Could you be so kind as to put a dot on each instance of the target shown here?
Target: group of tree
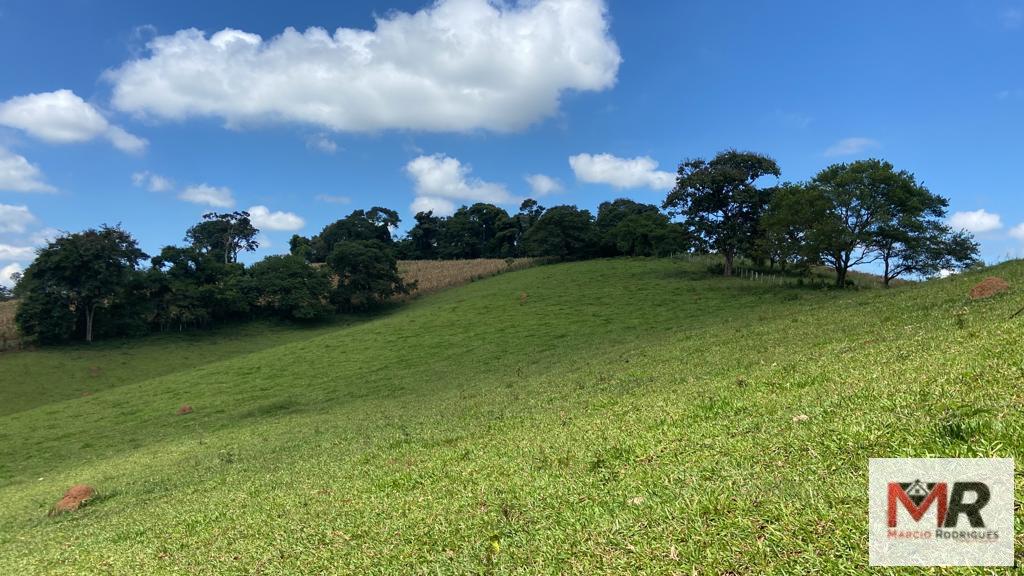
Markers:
(622, 228)
(94, 283)
(848, 215)
(97, 283)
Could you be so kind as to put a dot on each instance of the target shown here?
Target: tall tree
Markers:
(224, 235)
(72, 278)
(720, 200)
(425, 236)
(564, 232)
(367, 274)
(375, 224)
(289, 288)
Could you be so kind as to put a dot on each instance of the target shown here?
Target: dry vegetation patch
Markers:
(9, 337)
(433, 275)
(989, 287)
(73, 499)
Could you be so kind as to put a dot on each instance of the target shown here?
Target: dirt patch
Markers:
(185, 409)
(73, 499)
(989, 287)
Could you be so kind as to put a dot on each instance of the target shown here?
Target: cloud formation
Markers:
(321, 143)
(543, 185)
(152, 182)
(218, 197)
(18, 175)
(61, 117)
(976, 222)
(264, 219)
(439, 180)
(852, 146)
(458, 65)
(15, 219)
(639, 172)
(1018, 231)
(332, 199)
(7, 271)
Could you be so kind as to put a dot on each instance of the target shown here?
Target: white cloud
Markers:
(18, 175)
(62, 117)
(1018, 231)
(441, 179)
(15, 219)
(7, 271)
(638, 172)
(330, 199)
(439, 206)
(218, 197)
(264, 219)
(44, 236)
(543, 185)
(976, 222)
(321, 143)
(458, 65)
(851, 146)
(152, 182)
(16, 253)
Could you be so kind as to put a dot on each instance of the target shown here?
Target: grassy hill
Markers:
(595, 417)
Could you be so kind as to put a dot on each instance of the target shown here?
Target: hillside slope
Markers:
(625, 415)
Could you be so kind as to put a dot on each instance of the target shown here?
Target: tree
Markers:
(633, 229)
(478, 231)
(425, 236)
(289, 288)
(367, 274)
(6, 294)
(374, 224)
(224, 235)
(791, 212)
(192, 288)
(300, 246)
(924, 249)
(720, 200)
(74, 276)
(564, 232)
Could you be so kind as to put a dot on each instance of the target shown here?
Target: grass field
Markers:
(595, 417)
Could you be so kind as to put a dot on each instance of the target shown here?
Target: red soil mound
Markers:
(73, 499)
(185, 409)
(989, 287)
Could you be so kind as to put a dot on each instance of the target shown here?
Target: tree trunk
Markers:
(727, 271)
(840, 277)
(90, 313)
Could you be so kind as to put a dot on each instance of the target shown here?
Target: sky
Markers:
(149, 114)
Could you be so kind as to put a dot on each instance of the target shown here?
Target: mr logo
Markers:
(917, 497)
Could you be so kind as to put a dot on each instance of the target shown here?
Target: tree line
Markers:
(96, 283)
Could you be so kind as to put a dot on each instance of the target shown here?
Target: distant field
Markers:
(433, 275)
(600, 417)
(9, 337)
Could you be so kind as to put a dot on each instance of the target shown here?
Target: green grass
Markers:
(629, 416)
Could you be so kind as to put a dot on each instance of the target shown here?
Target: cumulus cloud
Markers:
(543, 185)
(321, 143)
(851, 146)
(152, 182)
(264, 219)
(18, 175)
(62, 117)
(638, 172)
(218, 197)
(15, 219)
(16, 253)
(331, 199)
(455, 66)
(7, 271)
(1018, 231)
(440, 179)
(976, 222)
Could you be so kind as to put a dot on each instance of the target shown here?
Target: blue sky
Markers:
(116, 113)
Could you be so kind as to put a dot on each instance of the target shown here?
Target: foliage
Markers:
(563, 232)
(288, 287)
(374, 224)
(72, 278)
(367, 272)
(721, 202)
(193, 288)
(224, 235)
